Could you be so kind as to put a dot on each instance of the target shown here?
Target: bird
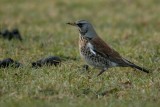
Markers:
(51, 60)
(96, 52)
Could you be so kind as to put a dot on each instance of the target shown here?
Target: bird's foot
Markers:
(102, 71)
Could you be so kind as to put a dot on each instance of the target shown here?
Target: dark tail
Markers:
(140, 68)
(137, 67)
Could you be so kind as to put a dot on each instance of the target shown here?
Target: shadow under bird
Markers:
(98, 53)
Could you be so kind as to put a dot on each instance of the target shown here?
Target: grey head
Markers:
(85, 28)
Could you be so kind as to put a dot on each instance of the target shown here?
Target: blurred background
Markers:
(133, 23)
(132, 27)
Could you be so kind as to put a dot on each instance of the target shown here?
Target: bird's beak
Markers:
(72, 23)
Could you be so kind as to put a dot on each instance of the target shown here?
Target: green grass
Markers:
(130, 27)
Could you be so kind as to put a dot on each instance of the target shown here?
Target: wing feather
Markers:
(106, 51)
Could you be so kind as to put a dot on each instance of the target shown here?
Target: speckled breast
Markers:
(95, 60)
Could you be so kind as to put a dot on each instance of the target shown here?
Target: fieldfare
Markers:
(98, 53)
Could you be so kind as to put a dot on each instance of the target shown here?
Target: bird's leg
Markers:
(103, 70)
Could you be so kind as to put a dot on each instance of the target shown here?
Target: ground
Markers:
(130, 26)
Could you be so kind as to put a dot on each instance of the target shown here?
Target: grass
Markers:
(130, 27)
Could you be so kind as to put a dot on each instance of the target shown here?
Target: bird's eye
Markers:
(79, 24)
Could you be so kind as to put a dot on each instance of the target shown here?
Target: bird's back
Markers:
(93, 57)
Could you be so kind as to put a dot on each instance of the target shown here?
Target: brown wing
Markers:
(104, 49)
